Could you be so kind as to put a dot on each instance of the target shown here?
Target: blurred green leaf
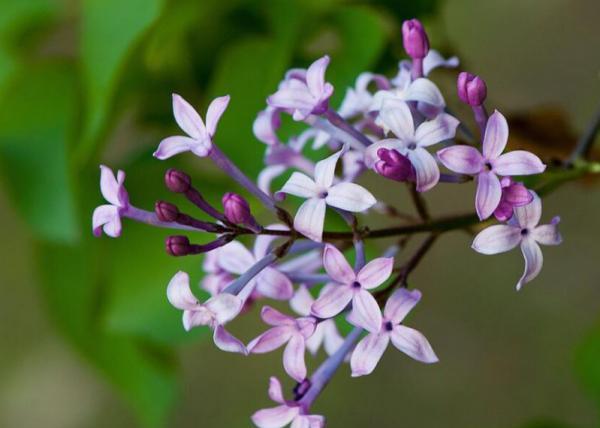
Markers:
(37, 117)
(587, 363)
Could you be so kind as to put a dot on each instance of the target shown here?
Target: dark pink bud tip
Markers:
(414, 37)
(471, 89)
(178, 246)
(177, 181)
(166, 211)
(393, 165)
(236, 209)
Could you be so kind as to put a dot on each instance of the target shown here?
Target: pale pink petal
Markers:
(188, 118)
(350, 197)
(396, 116)
(496, 136)
(273, 284)
(336, 265)
(315, 76)
(109, 186)
(106, 217)
(376, 272)
(228, 343)
(371, 156)
(425, 91)
(528, 216)
(275, 390)
(489, 193)
(462, 159)
(267, 175)
(426, 168)
(366, 312)
(271, 340)
(172, 146)
(293, 358)
(518, 162)
(308, 421)
(533, 261)
(413, 344)
(179, 293)
(300, 185)
(332, 302)
(310, 218)
(292, 98)
(442, 128)
(497, 239)
(325, 170)
(214, 113)
(313, 343)
(434, 60)
(302, 301)
(224, 306)
(235, 258)
(275, 318)
(276, 417)
(332, 338)
(367, 353)
(400, 304)
(547, 234)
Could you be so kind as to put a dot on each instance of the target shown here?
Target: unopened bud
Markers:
(177, 181)
(414, 37)
(166, 211)
(393, 165)
(471, 89)
(236, 209)
(178, 245)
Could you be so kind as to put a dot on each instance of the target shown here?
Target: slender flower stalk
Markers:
(237, 286)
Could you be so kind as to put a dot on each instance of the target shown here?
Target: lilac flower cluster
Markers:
(383, 126)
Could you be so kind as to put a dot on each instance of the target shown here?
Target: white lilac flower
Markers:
(107, 217)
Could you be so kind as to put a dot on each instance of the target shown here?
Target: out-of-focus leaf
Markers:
(37, 116)
(110, 29)
(544, 424)
(587, 363)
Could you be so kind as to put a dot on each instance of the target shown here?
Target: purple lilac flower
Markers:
(358, 99)
(293, 331)
(370, 349)
(396, 117)
(472, 89)
(321, 192)
(304, 97)
(199, 136)
(432, 61)
(414, 38)
(513, 195)
(424, 92)
(237, 211)
(521, 230)
(487, 165)
(353, 288)
(216, 279)
(394, 165)
(285, 413)
(108, 217)
(326, 332)
(266, 124)
(215, 312)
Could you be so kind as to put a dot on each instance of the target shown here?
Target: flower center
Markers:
(488, 166)
(388, 326)
(356, 284)
(524, 232)
(412, 146)
(323, 194)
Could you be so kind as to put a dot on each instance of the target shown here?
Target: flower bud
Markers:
(166, 211)
(177, 181)
(178, 245)
(414, 37)
(236, 209)
(393, 165)
(471, 89)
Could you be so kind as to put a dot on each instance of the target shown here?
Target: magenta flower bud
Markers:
(236, 209)
(393, 165)
(178, 245)
(471, 89)
(414, 37)
(166, 211)
(177, 181)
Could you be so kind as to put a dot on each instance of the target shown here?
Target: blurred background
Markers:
(87, 336)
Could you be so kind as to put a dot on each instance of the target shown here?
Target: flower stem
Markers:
(150, 218)
(339, 122)
(584, 146)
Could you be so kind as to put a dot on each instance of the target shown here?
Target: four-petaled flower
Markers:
(285, 413)
(490, 163)
(215, 312)
(199, 136)
(353, 287)
(321, 192)
(304, 93)
(293, 331)
(370, 349)
(522, 229)
(108, 217)
(396, 116)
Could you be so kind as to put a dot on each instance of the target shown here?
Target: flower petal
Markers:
(228, 343)
(276, 417)
(528, 216)
(267, 175)
(225, 307)
(315, 76)
(275, 318)
(426, 168)
(310, 218)
(179, 293)
(442, 128)
(517, 194)
(366, 312)
(497, 239)
(367, 354)
(300, 185)
(371, 156)
(376, 272)
(489, 193)
(188, 118)
(332, 302)
(270, 340)
(302, 301)
(293, 358)
(106, 217)
(275, 390)
(273, 284)
(292, 98)
(109, 186)
(308, 421)
(172, 146)
(496, 136)
(434, 60)
(518, 162)
(325, 170)
(462, 159)
(413, 344)
(336, 265)
(400, 304)
(533, 261)
(425, 91)
(396, 116)
(350, 197)
(547, 234)
(332, 338)
(235, 258)
(214, 113)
